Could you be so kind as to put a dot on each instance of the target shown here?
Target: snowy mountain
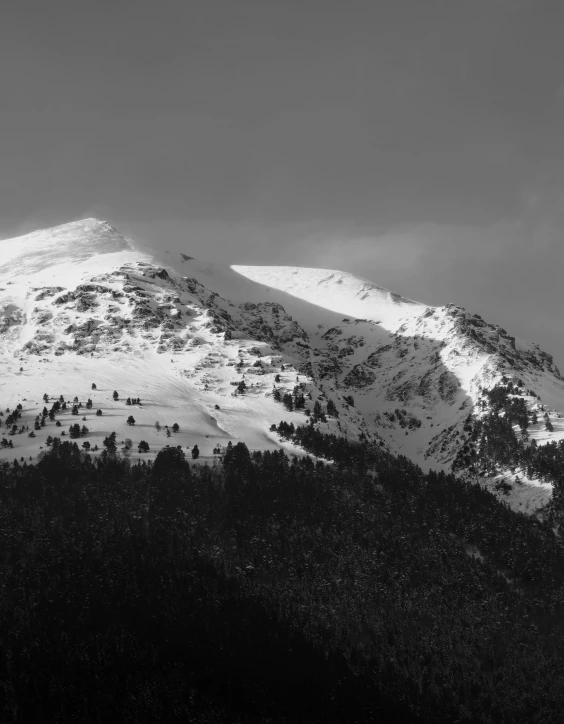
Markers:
(80, 304)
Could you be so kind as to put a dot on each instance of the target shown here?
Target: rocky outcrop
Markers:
(359, 377)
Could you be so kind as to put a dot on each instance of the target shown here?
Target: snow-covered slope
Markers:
(81, 304)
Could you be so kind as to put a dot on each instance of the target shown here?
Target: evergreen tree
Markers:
(195, 452)
(175, 427)
(99, 413)
(110, 442)
(332, 409)
(115, 395)
(143, 446)
(131, 420)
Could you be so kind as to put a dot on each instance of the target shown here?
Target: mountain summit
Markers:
(224, 352)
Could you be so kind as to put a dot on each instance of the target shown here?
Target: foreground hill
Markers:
(80, 304)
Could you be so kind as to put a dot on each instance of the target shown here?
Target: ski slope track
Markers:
(82, 304)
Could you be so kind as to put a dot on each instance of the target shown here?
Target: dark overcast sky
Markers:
(418, 143)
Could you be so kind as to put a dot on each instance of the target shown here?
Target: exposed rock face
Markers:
(359, 377)
(447, 386)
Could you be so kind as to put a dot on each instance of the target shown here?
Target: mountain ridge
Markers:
(82, 302)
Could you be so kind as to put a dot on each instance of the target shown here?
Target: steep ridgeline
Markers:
(81, 304)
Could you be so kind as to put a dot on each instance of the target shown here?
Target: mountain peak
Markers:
(73, 242)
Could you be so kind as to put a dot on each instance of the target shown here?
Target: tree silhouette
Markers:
(110, 442)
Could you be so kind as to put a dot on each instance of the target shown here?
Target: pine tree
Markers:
(115, 395)
(131, 420)
(99, 413)
(110, 442)
(288, 402)
(175, 427)
(331, 409)
(195, 452)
